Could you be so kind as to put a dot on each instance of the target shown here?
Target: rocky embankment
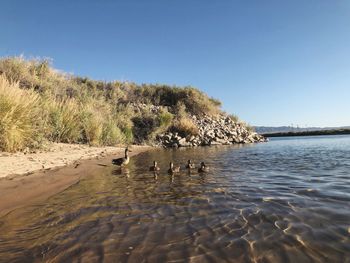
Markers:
(219, 130)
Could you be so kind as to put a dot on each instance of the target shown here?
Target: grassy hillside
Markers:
(40, 104)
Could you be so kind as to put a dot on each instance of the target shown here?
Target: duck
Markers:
(124, 160)
(203, 168)
(154, 167)
(190, 165)
(173, 169)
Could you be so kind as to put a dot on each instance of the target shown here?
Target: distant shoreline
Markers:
(308, 133)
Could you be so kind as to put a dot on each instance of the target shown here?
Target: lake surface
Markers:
(287, 200)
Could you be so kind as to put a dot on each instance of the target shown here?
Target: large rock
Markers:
(183, 143)
(212, 143)
(210, 134)
(219, 134)
(222, 141)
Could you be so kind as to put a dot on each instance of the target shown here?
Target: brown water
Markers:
(283, 201)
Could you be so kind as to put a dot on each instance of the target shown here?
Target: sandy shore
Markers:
(59, 154)
(17, 189)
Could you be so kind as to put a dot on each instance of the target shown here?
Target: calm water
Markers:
(283, 201)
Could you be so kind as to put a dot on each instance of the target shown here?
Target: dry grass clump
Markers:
(185, 126)
(199, 103)
(19, 116)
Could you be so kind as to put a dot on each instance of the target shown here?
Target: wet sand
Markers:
(34, 185)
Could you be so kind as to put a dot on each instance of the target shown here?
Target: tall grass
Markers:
(19, 116)
(92, 123)
(64, 121)
(100, 126)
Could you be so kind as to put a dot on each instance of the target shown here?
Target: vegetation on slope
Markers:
(39, 103)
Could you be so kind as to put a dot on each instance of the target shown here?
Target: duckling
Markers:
(190, 165)
(124, 160)
(154, 167)
(173, 169)
(203, 168)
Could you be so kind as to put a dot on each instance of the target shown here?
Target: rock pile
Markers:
(219, 130)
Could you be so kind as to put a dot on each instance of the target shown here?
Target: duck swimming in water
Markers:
(124, 160)
(203, 168)
(173, 169)
(190, 165)
(154, 167)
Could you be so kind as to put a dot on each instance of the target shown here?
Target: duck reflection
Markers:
(155, 176)
(122, 171)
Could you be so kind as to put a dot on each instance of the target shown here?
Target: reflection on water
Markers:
(284, 201)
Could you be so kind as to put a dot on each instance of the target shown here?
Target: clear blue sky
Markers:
(270, 62)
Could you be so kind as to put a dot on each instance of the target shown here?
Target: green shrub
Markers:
(159, 124)
(19, 116)
(144, 126)
(128, 134)
(111, 134)
(165, 119)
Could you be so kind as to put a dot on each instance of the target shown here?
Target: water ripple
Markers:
(284, 201)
